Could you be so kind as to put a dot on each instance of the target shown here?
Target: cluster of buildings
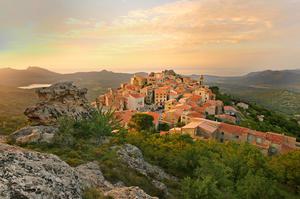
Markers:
(270, 143)
(185, 104)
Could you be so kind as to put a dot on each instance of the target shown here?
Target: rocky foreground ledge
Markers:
(63, 99)
(26, 174)
(60, 99)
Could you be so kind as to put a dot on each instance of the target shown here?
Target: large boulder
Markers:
(27, 174)
(133, 158)
(31, 134)
(58, 100)
(91, 176)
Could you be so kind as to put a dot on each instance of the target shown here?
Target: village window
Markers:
(250, 138)
(259, 140)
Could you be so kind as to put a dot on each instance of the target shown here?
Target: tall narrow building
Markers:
(201, 80)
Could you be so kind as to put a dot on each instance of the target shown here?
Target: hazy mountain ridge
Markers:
(264, 87)
(267, 78)
(284, 79)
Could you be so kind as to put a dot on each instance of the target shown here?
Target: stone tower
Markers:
(201, 80)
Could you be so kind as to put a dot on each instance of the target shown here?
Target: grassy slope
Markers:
(13, 102)
(283, 101)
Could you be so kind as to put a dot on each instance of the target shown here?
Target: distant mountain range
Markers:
(96, 82)
(33, 75)
(286, 79)
(278, 90)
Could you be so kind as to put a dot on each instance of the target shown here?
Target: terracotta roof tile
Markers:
(233, 129)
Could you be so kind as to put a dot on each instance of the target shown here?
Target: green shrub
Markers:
(93, 193)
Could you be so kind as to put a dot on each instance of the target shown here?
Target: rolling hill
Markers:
(275, 90)
(96, 82)
(284, 79)
(278, 90)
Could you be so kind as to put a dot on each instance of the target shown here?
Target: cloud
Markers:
(186, 25)
(185, 32)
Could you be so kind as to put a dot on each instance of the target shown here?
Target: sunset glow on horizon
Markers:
(222, 37)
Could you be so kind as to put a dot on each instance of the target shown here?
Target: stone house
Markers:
(135, 101)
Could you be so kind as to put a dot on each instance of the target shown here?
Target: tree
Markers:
(256, 186)
(201, 189)
(141, 122)
(286, 168)
(163, 127)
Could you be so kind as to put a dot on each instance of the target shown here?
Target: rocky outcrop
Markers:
(133, 157)
(61, 99)
(34, 134)
(128, 193)
(26, 174)
(91, 176)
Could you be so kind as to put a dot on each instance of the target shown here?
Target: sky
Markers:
(221, 37)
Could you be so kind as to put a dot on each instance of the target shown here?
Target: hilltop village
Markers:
(187, 106)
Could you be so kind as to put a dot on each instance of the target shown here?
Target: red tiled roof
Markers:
(229, 108)
(136, 95)
(131, 87)
(199, 109)
(258, 134)
(195, 98)
(195, 114)
(233, 129)
(182, 107)
(124, 116)
(226, 117)
(161, 91)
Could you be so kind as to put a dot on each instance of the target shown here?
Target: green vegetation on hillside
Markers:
(204, 169)
(13, 102)
(141, 122)
(273, 121)
(276, 99)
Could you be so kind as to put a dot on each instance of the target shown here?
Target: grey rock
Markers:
(31, 134)
(128, 193)
(28, 174)
(133, 157)
(91, 176)
(59, 100)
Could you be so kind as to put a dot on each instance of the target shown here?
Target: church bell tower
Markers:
(201, 80)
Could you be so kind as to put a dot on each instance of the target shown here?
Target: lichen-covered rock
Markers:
(26, 174)
(133, 157)
(32, 175)
(128, 193)
(31, 134)
(61, 99)
(91, 176)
